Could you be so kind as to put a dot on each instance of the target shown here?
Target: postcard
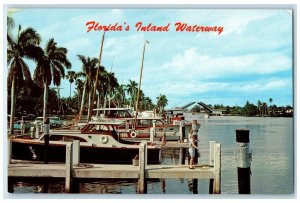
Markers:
(129, 100)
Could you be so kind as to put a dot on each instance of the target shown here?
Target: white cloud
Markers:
(125, 47)
(225, 17)
(186, 89)
(234, 24)
(270, 85)
(192, 64)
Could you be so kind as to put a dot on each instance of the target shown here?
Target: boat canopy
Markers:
(111, 109)
(108, 122)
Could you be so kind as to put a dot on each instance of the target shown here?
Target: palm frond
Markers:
(50, 45)
(58, 67)
(29, 36)
(25, 71)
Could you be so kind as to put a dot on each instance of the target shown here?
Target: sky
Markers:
(250, 60)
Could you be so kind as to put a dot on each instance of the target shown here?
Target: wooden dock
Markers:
(74, 170)
(22, 169)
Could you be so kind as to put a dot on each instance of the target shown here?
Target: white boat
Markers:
(99, 143)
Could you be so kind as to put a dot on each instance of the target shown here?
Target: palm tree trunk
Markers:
(12, 106)
(45, 101)
(82, 100)
(89, 105)
(104, 104)
(130, 100)
(98, 103)
(69, 97)
(109, 100)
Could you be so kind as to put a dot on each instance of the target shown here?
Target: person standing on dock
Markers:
(192, 152)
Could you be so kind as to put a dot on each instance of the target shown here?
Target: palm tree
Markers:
(265, 107)
(148, 103)
(24, 45)
(112, 84)
(270, 100)
(132, 88)
(162, 102)
(10, 24)
(259, 106)
(71, 76)
(88, 64)
(51, 67)
(79, 87)
(120, 95)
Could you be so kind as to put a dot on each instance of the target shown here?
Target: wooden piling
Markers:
(37, 131)
(217, 169)
(211, 163)
(9, 147)
(153, 132)
(243, 161)
(182, 153)
(76, 152)
(69, 166)
(195, 133)
(46, 148)
(211, 152)
(142, 166)
(46, 139)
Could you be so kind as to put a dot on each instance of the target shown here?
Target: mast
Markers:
(141, 74)
(109, 85)
(96, 81)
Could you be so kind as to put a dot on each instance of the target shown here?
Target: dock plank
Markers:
(108, 171)
(36, 170)
(179, 171)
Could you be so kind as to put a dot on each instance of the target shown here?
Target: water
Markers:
(272, 143)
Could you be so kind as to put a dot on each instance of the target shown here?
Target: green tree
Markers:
(249, 109)
(51, 68)
(88, 65)
(79, 88)
(259, 105)
(111, 82)
(24, 45)
(162, 102)
(270, 107)
(132, 89)
(71, 76)
(264, 107)
(120, 95)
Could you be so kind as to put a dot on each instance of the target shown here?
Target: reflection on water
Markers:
(271, 140)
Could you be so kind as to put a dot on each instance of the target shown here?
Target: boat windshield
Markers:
(148, 122)
(113, 113)
(65, 138)
(97, 128)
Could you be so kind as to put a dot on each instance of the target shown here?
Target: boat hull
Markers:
(88, 154)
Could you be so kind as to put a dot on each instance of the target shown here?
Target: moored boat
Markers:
(99, 143)
(140, 127)
(144, 127)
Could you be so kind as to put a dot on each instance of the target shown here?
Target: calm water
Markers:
(271, 140)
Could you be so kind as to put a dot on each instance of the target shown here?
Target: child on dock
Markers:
(192, 152)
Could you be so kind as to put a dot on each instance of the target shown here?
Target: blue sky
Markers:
(250, 60)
